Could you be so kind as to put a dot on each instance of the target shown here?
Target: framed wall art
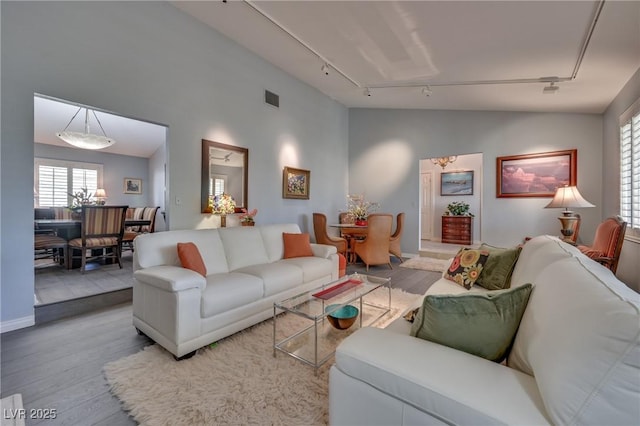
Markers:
(535, 175)
(456, 183)
(295, 183)
(132, 186)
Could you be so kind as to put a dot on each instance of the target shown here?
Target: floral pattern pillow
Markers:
(466, 267)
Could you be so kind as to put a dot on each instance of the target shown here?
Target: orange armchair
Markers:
(320, 230)
(394, 242)
(374, 249)
(607, 243)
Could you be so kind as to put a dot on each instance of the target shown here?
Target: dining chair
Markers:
(131, 232)
(607, 243)
(394, 241)
(50, 246)
(374, 248)
(102, 228)
(322, 237)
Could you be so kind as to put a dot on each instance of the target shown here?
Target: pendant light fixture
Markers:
(86, 140)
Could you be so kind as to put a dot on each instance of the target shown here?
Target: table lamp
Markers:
(568, 197)
(100, 196)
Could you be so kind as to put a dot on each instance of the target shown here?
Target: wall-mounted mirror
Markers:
(224, 170)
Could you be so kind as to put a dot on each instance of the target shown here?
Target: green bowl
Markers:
(342, 318)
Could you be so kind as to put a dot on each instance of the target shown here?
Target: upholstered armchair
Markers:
(607, 243)
(394, 242)
(374, 248)
(322, 237)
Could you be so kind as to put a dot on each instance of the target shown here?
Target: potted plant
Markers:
(246, 218)
(458, 208)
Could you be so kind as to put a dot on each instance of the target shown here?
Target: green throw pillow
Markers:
(496, 274)
(482, 324)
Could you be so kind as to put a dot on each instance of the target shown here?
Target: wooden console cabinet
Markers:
(457, 229)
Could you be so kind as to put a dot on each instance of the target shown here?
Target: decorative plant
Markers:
(81, 198)
(247, 216)
(458, 208)
(222, 204)
(359, 209)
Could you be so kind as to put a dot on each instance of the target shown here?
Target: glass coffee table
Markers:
(315, 341)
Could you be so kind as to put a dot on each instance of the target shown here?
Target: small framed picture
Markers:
(295, 183)
(132, 186)
(456, 183)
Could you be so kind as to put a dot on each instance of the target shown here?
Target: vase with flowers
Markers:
(222, 205)
(246, 218)
(359, 209)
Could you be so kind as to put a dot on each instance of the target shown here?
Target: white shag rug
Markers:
(427, 264)
(235, 381)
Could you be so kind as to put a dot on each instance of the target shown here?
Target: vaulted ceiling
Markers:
(471, 55)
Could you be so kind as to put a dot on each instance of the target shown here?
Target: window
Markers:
(55, 179)
(217, 184)
(630, 168)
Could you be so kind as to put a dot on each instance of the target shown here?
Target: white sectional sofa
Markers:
(575, 359)
(182, 310)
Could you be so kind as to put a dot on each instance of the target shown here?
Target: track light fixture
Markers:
(551, 89)
(325, 69)
(366, 92)
(426, 91)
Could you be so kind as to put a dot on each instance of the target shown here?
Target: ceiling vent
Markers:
(272, 99)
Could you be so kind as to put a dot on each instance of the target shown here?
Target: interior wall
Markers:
(394, 140)
(629, 266)
(151, 61)
(158, 179)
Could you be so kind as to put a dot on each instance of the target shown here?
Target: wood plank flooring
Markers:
(58, 365)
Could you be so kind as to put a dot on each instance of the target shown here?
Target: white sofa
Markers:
(575, 358)
(182, 311)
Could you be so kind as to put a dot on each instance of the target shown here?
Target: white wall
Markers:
(392, 142)
(629, 266)
(151, 61)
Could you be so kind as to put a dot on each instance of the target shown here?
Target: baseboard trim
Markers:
(82, 305)
(18, 323)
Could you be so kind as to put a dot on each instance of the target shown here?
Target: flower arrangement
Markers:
(458, 208)
(222, 204)
(247, 216)
(81, 198)
(359, 209)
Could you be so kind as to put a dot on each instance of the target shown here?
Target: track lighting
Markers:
(550, 89)
(426, 91)
(366, 92)
(325, 69)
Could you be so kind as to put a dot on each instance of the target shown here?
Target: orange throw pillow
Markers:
(296, 245)
(190, 258)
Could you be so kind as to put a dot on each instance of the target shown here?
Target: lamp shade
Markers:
(568, 197)
(100, 193)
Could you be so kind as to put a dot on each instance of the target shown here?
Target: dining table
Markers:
(71, 228)
(351, 232)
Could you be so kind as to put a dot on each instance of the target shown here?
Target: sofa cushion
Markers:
(536, 254)
(190, 258)
(481, 324)
(580, 338)
(272, 238)
(313, 268)
(296, 245)
(225, 292)
(243, 246)
(466, 267)
(496, 274)
(276, 277)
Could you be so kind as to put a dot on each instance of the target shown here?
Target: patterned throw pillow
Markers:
(466, 267)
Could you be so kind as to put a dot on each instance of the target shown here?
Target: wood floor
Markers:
(58, 365)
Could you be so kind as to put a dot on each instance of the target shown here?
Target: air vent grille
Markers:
(272, 99)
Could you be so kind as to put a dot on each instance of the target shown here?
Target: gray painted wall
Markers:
(151, 61)
(629, 266)
(391, 143)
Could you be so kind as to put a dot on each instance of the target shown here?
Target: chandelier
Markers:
(86, 140)
(443, 161)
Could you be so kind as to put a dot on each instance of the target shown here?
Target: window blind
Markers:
(630, 168)
(55, 179)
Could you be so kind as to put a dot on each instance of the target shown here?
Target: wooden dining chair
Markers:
(607, 243)
(374, 248)
(322, 237)
(394, 241)
(131, 232)
(102, 229)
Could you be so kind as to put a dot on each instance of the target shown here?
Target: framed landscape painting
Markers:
(535, 175)
(132, 186)
(295, 183)
(456, 183)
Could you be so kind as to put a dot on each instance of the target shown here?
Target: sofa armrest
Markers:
(323, 250)
(444, 382)
(170, 278)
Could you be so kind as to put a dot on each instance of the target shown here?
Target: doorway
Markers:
(60, 169)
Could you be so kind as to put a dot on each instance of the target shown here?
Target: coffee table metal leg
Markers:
(274, 330)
